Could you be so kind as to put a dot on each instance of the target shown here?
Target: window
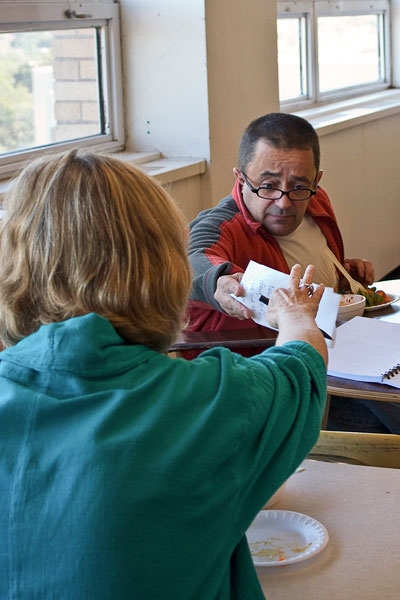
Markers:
(332, 50)
(60, 77)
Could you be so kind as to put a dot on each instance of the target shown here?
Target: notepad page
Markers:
(262, 280)
(365, 349)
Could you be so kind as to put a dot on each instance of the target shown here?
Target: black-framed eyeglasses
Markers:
(270, 193)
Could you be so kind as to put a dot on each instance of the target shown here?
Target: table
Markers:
(360, 508)
(259, 339)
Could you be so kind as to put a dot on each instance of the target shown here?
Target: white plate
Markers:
(281, 537)
(393, 297)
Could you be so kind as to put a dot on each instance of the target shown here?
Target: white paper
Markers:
(259, 280)
(365, 349)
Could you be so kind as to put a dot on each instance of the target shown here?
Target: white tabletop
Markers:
(360, 507)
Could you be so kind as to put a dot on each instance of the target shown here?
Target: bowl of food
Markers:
(351, 305)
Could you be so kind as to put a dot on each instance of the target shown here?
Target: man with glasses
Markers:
(277, 215)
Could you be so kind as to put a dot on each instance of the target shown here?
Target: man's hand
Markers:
(361, 270)
(230, 284)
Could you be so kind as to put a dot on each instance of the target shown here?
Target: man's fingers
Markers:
(227, 285)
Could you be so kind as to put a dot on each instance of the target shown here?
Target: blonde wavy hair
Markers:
(85, 233)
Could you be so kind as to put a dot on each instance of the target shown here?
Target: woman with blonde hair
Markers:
(126, 473)
(85, 238)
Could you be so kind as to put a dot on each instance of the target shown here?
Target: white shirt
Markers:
(305, 246)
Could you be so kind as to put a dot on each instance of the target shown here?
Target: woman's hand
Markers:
(300, 296)
(293, 310)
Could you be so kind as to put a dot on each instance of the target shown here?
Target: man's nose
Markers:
(284, 201)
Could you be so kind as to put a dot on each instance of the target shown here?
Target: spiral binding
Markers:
(395, 370)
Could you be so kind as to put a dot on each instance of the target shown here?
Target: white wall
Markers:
(197, 71)
(362, 176)
(165, 76)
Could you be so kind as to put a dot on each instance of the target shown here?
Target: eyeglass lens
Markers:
(276, 194)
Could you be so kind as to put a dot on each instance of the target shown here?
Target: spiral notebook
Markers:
(367, 350)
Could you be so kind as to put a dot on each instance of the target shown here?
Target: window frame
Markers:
(42, 15)
(311, 10)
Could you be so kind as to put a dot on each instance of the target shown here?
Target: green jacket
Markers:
(127, 474)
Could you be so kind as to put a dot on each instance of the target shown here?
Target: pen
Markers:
(326, 335)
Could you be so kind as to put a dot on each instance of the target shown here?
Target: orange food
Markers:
(374, 297)
(383, 294)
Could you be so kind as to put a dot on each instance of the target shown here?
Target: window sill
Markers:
(349, 113)
(165, 170)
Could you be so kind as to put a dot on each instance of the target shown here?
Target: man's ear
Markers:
(238, 174)
(319, 175)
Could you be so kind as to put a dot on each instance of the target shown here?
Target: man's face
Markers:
(285, 170)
